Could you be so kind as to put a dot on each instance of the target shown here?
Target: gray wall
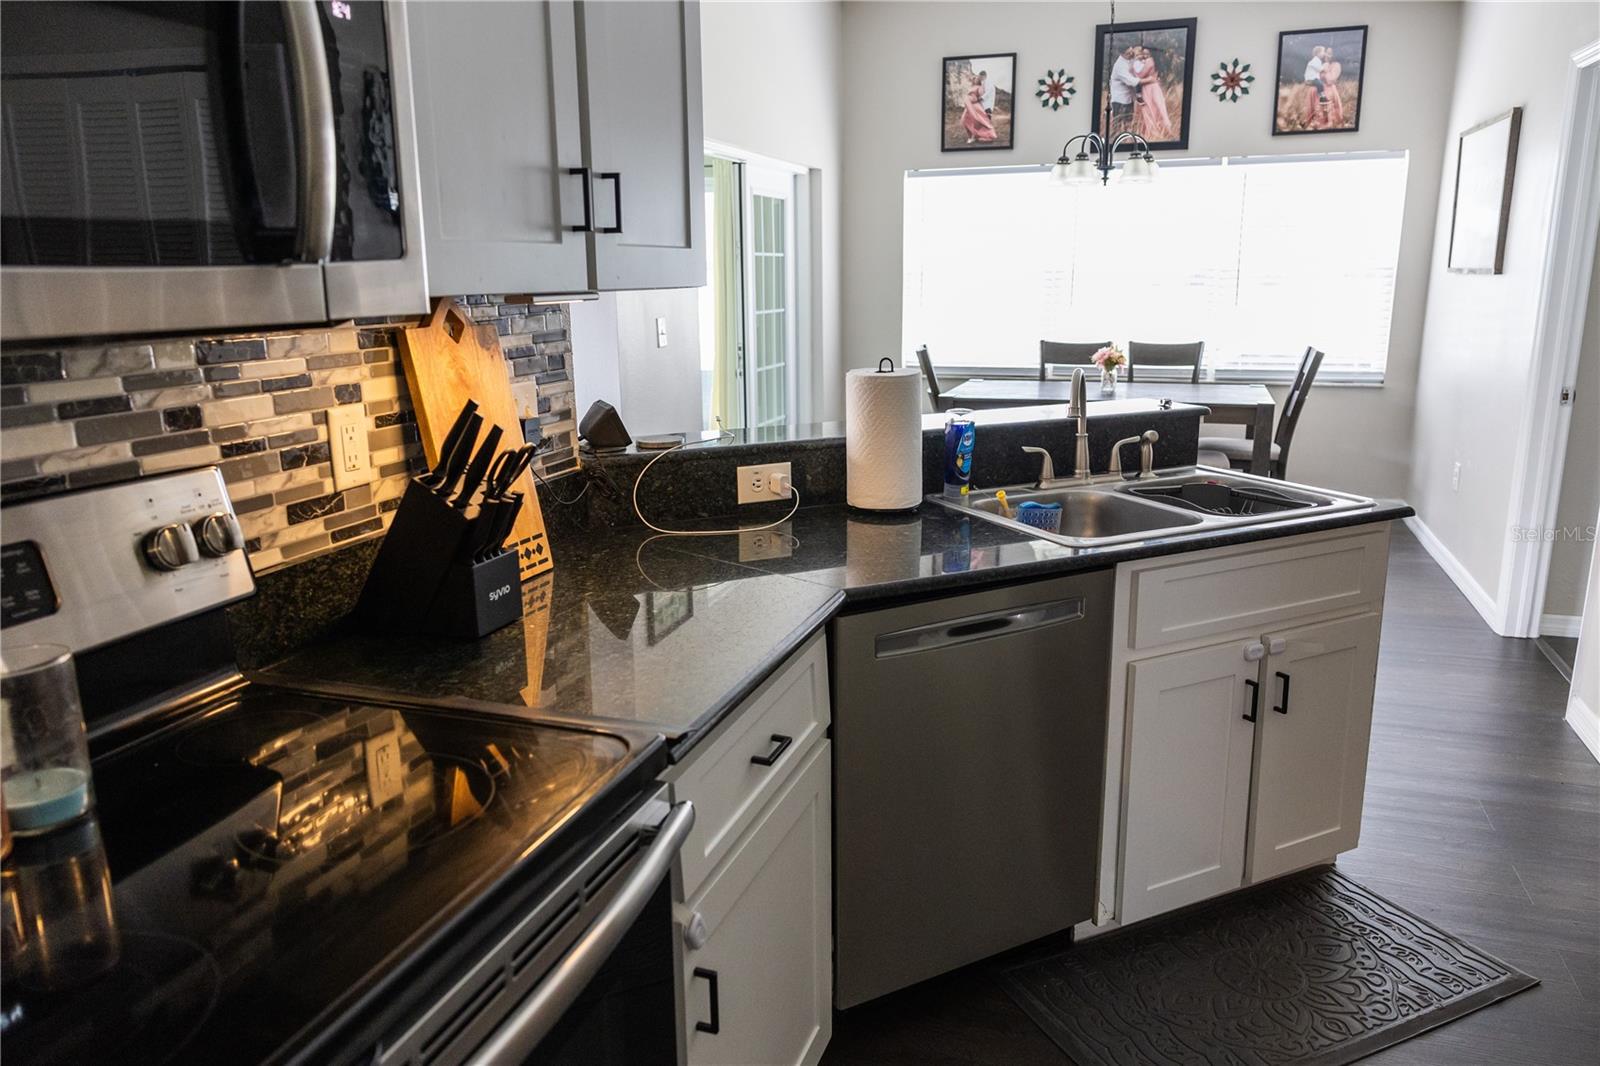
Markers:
(1478, 337)
(1352, 438)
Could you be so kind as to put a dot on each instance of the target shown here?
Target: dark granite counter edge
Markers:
(1092, 559)
(754, 678)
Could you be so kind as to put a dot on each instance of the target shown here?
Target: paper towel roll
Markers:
(883, 439)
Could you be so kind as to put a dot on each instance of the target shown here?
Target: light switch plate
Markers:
(347, 441)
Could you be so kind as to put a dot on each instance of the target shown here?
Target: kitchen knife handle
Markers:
(452, 440)
(458, 458)
(479, 467)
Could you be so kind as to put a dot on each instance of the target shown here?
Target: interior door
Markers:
(639, 67)
(1311, 760)
(498, 124)
(1188, 777)
(769, 232)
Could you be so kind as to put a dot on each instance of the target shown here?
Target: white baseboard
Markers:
(1560, 625)
(1481, 601)
(1586, 723)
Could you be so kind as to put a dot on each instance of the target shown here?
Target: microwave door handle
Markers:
(316, 140)
(535, 1016)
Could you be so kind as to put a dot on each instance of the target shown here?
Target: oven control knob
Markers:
(219, 534)
(695, 933)
(170, 547)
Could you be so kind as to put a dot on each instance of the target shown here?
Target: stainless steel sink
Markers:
(1187, 500)
(1092, 514)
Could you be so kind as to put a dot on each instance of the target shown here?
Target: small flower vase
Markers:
(1108, 380)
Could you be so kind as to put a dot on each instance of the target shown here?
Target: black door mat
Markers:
(1313, 970)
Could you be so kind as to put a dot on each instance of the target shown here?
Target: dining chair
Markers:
(1237, 450)
(1066, 353)
(931, 381)
(1141, 353)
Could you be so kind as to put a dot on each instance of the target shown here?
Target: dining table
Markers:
(1230, 403)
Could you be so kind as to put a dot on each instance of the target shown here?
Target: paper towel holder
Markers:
(886, 369)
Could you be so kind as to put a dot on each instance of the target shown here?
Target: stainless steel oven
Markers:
(177, 166)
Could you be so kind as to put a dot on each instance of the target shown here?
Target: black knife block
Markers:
(424, 581)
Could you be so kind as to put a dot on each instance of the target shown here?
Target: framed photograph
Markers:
(1319, 80)
(1151, 67)
(978, 106)
(1486, 160)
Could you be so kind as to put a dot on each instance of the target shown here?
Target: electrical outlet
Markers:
(1455, 478)
(347, 440)
(757, 544)
(759, 484)
(661, 332)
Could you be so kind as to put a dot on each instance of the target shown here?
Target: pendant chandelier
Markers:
(1096, 157)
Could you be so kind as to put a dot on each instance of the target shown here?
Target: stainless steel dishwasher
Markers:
(969, 757)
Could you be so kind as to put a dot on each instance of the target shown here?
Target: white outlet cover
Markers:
(758, 544)
(755, 482)
(347, 441)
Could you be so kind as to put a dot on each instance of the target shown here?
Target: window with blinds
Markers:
(1258, 257)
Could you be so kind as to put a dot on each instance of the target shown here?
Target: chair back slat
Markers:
(1066, 353)
(1141, 353)
(1293, 405)
(930, 380)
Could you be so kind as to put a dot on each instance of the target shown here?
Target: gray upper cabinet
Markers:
(639, 66)
(498, 120)
(536, 122)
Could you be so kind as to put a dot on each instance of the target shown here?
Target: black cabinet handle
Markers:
(616, 199)
(1255, 698)
(588, 199)
(1284, 707)
(714, 1026)
(780, 745)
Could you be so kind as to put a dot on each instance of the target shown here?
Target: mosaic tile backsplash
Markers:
(256, 405)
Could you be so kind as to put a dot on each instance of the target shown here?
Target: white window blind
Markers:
(1258, 257)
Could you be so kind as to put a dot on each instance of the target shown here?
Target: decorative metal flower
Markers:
(1231, 82)
(1055, 90)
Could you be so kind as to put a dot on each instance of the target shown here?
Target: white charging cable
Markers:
(781, 481)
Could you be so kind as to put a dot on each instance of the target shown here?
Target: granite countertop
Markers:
(673, 632)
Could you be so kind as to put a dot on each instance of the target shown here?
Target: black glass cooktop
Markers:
(252, 872)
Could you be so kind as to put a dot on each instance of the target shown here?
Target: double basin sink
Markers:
(1189, 500)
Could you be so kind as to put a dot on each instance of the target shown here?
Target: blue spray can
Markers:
(960, 433)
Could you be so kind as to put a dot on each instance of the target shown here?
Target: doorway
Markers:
(749, 307)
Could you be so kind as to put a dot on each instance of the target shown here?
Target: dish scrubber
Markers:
(1045, 516)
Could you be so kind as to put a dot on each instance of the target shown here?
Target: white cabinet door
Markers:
(498, 126)
(764, 974)
(1311, 765)
(1188, 777)
(639, 66)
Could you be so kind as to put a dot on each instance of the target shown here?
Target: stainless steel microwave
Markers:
(192, 166)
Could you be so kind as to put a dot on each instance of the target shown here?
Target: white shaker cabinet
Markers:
(561, 144)
(1188, 800)
(1240, 717)
(1314, 732)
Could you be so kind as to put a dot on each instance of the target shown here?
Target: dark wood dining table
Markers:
(1229, 403)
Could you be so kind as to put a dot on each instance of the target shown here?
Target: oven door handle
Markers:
(316, 135)
(522, 1030)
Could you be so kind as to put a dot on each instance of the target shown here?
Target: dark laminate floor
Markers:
(1482, 815)
(1562, 651)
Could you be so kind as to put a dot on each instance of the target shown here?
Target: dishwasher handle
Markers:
(978, 627)
(537, 1015)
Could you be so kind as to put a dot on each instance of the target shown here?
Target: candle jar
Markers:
(44, 755)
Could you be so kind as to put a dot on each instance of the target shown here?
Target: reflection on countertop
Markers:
(673, 632)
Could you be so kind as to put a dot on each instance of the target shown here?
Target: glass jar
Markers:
(44, 755)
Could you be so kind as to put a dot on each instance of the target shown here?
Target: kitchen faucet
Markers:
(1079, 409)
(1146, 442)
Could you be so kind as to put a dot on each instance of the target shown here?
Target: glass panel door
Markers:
(770, 364)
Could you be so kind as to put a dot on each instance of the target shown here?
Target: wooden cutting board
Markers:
(450, 359)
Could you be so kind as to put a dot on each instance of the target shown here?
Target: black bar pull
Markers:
(781, 743)
(714, 1026)
(615, 179)
(588, 199)
(1255, 698)
(1284, 707)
